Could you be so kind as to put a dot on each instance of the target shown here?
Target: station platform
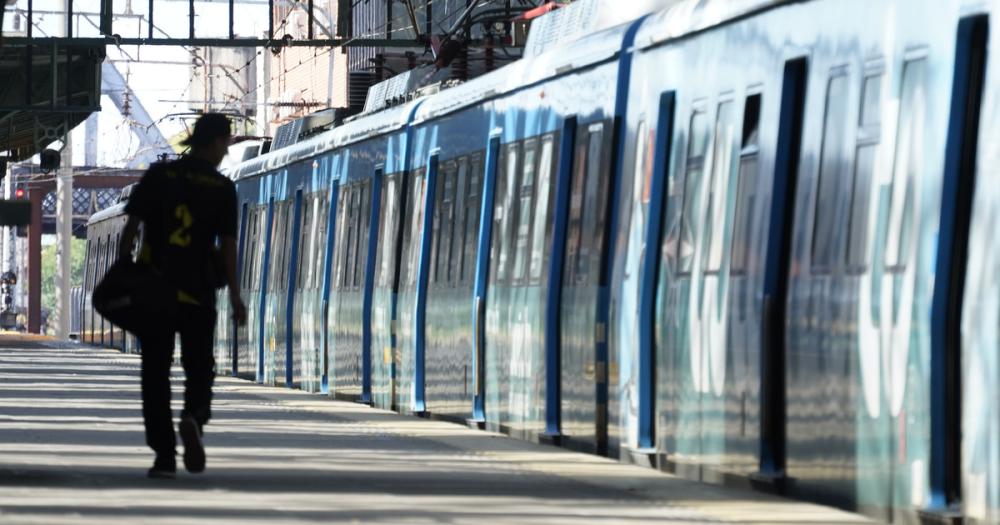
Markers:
(72, 451)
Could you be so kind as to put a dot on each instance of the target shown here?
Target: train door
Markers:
(582, 372)
(777, 267)
(497, 316)
(484, 255)
(386, 275)
(265, 262)
(232, 334)
(554, 261)
(333, 203)
(706, 220)
(980, 315)
(649, 184)
(961, 446)
(292, 279)
(367, 258)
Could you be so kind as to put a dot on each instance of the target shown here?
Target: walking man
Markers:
(185, 207)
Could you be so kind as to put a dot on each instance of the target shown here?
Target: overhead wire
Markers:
(377, 31)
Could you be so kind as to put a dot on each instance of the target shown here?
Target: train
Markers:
(744, 241)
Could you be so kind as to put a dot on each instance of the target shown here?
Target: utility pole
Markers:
(64, 239)
(7, 256)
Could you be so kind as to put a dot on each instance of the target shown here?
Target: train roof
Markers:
(110, 212)
(387, 121)
(585, 52)
(583, 34)
(692, 16)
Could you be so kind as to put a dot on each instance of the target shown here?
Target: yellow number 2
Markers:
(182, 236)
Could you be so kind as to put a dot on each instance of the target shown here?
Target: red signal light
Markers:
(19, 193)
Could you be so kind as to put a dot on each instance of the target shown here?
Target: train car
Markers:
(796, 249)
(283, 201)
(103, 235)
(310, 307)
(437, 251)
(372, 176)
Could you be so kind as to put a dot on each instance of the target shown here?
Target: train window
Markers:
(350, 235)
(525, 197)
(362, 236)
(498, 210)
(869, 136)
(343, 234)
(258, 251)
(317, 240)
(245, 244)
(545, 162)
(302, 265)
(908, 164)
(412, 244)
(507, 194)
(472, 211)
(107, 256)
(288, 228)
(746, 191)
(357, 259)
(312, 255)
(336, 251)
(406, 228)
(592, 226)
(87, 263)
(387, 231)
(458, 212)
(347, 244)
(250, 248)
(716, 229)
(277, 247)
(261, 242)
(443, 221)
(285, 242)
(574, 221)
(448, 226)
(435, 228)
(698, 142)
(832, 176)
(273, 255)
(322, 234)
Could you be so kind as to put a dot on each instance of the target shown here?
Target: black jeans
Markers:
(196, 325)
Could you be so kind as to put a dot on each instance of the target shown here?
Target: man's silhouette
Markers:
(186, 209)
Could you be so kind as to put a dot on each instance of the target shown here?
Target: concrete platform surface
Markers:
(72, 451)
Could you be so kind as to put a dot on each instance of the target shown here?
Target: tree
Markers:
(50, 297)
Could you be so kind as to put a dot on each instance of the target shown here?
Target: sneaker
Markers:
(194, 452)
(164, 467)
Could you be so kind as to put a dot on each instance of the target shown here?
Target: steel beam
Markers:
(214, 42)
